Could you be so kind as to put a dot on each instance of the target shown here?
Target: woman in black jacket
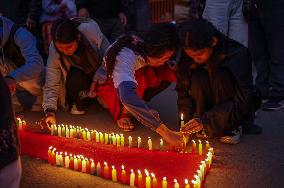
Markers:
(215, 83)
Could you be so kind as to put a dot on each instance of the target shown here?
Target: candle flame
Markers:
(131, 171)
(65, 153)
(153, 175)
(19, 119)
(207, 142)
(196, 177)
(122, 167)
(146, 172)
(91, 160)
(139, 172)
(199, 141)
(50, 148)
(54, 149)
(164, 178)
(175, 180)
(60, 153)
(105, 163)
(112, 167)
(70, 154)
(181, 117)
(186, 181)
(193, 182)
(193, 141)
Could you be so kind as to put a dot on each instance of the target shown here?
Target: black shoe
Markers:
(252, 129)
(273, 104)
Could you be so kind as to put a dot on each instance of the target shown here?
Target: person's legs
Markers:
(238, 26)
(10, 176)
(260, 55)
(77, 81)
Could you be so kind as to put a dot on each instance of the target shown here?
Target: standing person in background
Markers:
(20, 62)
(227, 17)
(53, 10)
(23, 12)
(10, 163)
(266, 43)
(196, 8)
(107, 13)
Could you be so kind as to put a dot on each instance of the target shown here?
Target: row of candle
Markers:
(21, 124)
(82, 164)
(114, 139)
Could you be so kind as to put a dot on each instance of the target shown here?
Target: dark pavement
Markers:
(258, 161)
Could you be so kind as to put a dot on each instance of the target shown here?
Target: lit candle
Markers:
(202, 171)
(57, 159)
(122, 139)
(84, 134)
(164, 183)
(113, 174)
(75, 163)
(123, 175)
(139, 142)
(199, 174)
(207, 146)
(61, 159)
(147, 179)
(117, 139)
(181, 121)
(97, 136)
(140, 184)
(161, 144)
(176, 185)
(71, 164)
(84, 165)
(106, 138)
(193, 146)
(204, 167)
(88, 166)
(102, 140)
(150, 145)
(59, 131)
(53, 157)
(92, 167)
(49, 156)
(67, 132)
(154, 181)
(132, 178)
(98, 169)
(130, 141)
(20, 124)
(67, 160)
(194, 183)
(200, 147)
(88, 135)
(186, 184)
(197, 181)
(93, 135)
(24, 123)
(110, 138)
(55, 133)
(51, 130)
(63, 133)
(71, 131)
(113, 139)
(106, 171)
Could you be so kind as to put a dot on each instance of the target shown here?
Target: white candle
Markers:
(88, 135)
(57, 159)
(51, 130)
(59, 130)
(150, 145)
(130, 141)
(75, 163)
(71, 132)
(92, 167)
(106, 138)
(181, 121)
(139, 142)
(113, 139)
(117, 139)
(186, 184)
(200, 147)
(20, 124)
(161, 144)
(84, 165)
(132, 178)
(97, 136)
(67, 132)
(67, 160)
(63, 133)
(148, 179)
(164, 183)
(176, 185)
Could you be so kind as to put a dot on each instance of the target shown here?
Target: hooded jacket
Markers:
(26, 43)
(58, 64)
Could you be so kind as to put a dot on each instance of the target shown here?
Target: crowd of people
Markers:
(66, 53)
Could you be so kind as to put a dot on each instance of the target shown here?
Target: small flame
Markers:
(186, 181)
(153, 175)
(122, 167)
(175, 180)
(131, 171)
(164, 178)
(105, 163)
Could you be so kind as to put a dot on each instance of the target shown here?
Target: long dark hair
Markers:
(154, 43)
(199, 34)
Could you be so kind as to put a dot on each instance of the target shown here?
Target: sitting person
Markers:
(10, 162)
(20, 62)
(215, 83)
(131, 65)
(75, 53)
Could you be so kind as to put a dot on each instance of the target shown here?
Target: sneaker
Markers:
(75, 111)
(232, 138)
(273, 104)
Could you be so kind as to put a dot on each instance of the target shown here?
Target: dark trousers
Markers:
(77, 81)
(266, 41)
(209, 92)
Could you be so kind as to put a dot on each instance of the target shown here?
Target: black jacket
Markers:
(231, 113)
(9, 143)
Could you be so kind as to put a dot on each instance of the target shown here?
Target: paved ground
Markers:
(258, 161)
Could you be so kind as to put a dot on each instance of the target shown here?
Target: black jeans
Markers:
(266, 41)
(77, 81)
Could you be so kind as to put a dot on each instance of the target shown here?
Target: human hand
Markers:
(123, 18)
(11, 84)
(92, 91)
(50, 118)
(192, 126)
